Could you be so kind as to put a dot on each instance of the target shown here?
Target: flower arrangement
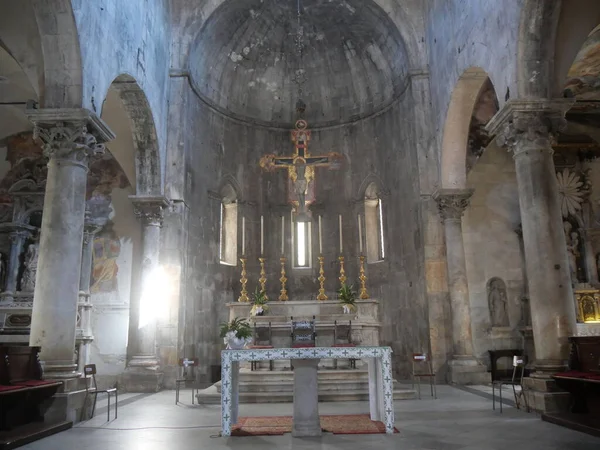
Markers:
(347, 297)
(259, 303)
(237, 333)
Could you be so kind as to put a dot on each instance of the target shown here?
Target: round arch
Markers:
(456, 128)
(143, 167)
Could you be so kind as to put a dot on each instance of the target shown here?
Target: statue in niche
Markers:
(572, 238)
(498, 303)
(31, 262)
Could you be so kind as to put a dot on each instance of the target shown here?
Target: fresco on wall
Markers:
(107, 248)
(583, 79)
(27, 163)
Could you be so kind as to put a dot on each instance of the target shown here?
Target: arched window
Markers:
(301, 243)
(228, 229)
(374, 229)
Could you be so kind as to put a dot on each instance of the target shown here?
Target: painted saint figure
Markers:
(29, 273)
(498, 303)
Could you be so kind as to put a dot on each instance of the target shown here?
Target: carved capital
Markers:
(150, 210)
(72, 135)
(452, 202)
(524, 125)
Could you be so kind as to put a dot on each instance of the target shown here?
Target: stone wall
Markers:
(471, 33)
(135, 34)
(493, 249)
(220, 149)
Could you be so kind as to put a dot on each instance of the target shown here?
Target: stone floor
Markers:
(458, 420)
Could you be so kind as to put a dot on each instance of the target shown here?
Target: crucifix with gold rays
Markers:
(301, 165)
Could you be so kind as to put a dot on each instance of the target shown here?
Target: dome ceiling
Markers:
(244, 62)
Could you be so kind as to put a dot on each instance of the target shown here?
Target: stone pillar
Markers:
(143, 373)
(306, 420)
(90, 228)
(464, 368)
(527, 128)
(70, 137)
(18, 234)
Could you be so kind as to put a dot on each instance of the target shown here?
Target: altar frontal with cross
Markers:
(301, 166)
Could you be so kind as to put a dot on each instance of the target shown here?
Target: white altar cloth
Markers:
(379, 360)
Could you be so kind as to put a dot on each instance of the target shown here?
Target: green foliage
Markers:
(259, 298)
(239, 325)
(347, 295)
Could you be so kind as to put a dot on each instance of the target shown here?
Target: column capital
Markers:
(530, 124)
(452, 202)
(71, 135)
(150, 209)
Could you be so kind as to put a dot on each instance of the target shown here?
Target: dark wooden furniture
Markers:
(503, 374)
(583, 378)
(92, 390)
(342, 337)
(422, 368)
(262, 338)
(303, 333)
(186, 366)
(24, 397)
(516, 380)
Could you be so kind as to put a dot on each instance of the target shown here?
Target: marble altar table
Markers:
(379, 360)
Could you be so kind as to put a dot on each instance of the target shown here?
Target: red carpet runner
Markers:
(278, 425)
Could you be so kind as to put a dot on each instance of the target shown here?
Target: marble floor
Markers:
(460, 419)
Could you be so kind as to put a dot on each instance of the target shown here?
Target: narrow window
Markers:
(228, 228)
(302, 243)
(374, 229)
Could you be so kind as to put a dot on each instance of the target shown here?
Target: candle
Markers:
(360, 234)
(243, 236)
(341, 245)
(262, 237)
(282, 235)
(320, 237)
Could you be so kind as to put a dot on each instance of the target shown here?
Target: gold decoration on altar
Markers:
(243, 281)
(364, 295)
(588, 305)
(263, 277)
(342, 277)
(283, 295)
(321, 296)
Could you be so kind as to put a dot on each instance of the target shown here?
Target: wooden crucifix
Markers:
(301, 165)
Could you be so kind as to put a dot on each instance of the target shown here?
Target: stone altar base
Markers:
(263, 386)
(467, 371)
(544, 396)
(306, 399)
(142, 375)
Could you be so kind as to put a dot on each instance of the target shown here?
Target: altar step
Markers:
(277, 387)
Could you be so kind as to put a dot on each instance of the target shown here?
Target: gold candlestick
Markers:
(321, 296)
(263, 277)
(283, 295)
(364, 295)
(342, 271)
(243, 281)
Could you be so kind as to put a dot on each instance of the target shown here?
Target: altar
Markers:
(306, 407)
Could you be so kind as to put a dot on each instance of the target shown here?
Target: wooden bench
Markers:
(583, 378)
(23, 392)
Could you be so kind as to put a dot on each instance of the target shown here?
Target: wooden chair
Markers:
(516, 380)
(89, 371)
(342, 337)
(304, 334)
(187, 365)
(422, 368)
(262, 339)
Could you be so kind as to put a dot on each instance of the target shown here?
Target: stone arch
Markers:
(371, 184)
(146, 157)
(63, 74)
(455, 141)
(550, 35)
(230, 190)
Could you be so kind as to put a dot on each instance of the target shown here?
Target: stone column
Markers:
(464, 368)
(527, 127)
(143, 373)
(18, 234)
(91, 226)
(306, 420)
(70, 137)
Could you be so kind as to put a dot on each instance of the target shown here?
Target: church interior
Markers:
(420, 178)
